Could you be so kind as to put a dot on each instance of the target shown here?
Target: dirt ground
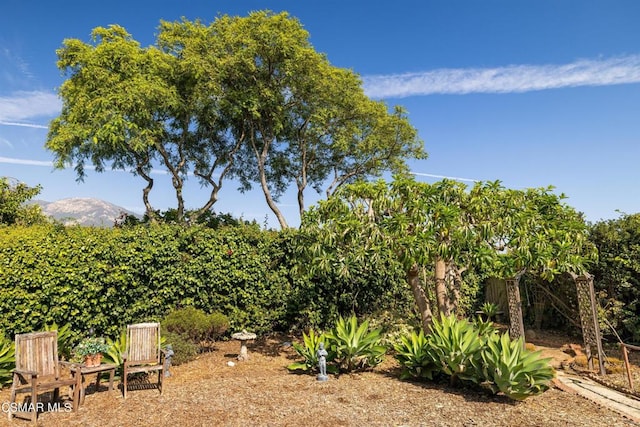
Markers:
(261, 392)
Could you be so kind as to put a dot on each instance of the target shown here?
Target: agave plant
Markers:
(309, 352)
(117, 347)
(456, 347)
(355, 347)
(485, 328)
(65, 339)
(7, 360)
(415, 356)
(513, 370)
(489, 309)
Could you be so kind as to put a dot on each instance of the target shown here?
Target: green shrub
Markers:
(414, 354)
(456, 346)
(183, 350)
(309, 352)
(195, 324)
(355, 347)
(512, 370)
(88, 276)
(7, 360)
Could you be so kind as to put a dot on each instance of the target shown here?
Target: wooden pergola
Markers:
(588, 315)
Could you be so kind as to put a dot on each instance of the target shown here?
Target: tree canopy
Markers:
(247, 98)
(13, 209)
(450, 228)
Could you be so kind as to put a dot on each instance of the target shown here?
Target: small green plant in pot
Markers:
(90, 350)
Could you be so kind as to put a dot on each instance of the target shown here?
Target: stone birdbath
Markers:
(243, 337)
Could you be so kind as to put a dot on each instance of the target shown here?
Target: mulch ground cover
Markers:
(261, 392)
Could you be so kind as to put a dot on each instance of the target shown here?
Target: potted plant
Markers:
(90, 350)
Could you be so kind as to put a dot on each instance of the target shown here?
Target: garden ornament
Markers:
(322, 363)
(243, 337)
(168, 354)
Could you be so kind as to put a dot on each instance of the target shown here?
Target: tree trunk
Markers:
(442, 297)
(145, 193)
(261, 157)
(413, 278)
(208, 176)
(454, 284)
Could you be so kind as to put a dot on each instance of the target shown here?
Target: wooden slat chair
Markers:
(143, 353)
(37, 371)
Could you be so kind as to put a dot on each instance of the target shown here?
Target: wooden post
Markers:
(516, 324)
(589, 318)
(626, 364)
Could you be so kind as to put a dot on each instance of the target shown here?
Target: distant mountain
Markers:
(83, 211)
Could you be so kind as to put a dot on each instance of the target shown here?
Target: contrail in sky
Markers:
(11, 161)
(444, 177)
(507, 79)
(27, 162)
(26, 125)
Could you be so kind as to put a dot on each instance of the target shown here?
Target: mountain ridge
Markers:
(85, 211)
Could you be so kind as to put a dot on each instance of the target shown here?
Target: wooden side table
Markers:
(86, 370)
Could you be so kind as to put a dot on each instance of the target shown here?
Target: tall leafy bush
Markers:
(617, 273)
(106, 278)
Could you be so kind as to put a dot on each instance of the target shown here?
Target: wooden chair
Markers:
(37, 371)
(143, 353)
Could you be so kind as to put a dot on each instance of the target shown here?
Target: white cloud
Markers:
(508, 79)
(25, 105)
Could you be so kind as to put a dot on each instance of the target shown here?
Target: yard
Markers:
(260, 391)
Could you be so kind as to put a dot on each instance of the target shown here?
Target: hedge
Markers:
(104, 278)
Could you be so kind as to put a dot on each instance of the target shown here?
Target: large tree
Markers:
(243, 97)
(306, 122)
(447, 228)
(136, 109)
(13, 207)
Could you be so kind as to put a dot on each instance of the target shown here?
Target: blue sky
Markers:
(533, 93)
